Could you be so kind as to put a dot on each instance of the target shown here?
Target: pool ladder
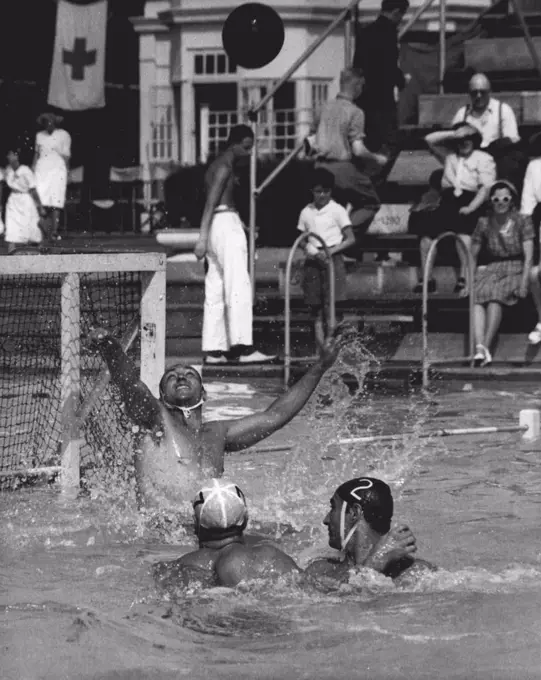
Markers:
(426, 361)
(431, 256)
(287, 295)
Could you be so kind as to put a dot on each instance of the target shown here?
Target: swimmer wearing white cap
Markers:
(176, 449)
(224, 556)
(359, 525)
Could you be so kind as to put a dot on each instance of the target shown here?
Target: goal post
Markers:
(48, 379)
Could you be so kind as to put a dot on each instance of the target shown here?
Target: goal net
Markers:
(59, 412)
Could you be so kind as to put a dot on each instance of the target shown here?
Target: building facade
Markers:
(190, 93)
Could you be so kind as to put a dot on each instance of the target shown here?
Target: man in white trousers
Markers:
(227, 315)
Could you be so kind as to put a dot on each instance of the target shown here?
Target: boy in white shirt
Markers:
(331, 222)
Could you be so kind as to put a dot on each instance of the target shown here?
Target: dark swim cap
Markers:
(375, 499)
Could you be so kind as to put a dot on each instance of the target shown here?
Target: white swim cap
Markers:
(223, 506)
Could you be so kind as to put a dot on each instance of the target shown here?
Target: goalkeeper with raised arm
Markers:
(175, 448)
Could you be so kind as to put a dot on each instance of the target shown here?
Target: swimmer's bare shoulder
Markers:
(328, 568)
(241, 563)
(194, 566)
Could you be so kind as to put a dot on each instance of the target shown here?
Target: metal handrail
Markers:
(420, 10)
(429, 264)
(527, 36)
(278, 169)
(287, 297)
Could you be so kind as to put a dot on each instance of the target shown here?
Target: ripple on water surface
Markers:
(77, 599)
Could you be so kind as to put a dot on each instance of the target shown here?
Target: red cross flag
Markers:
(78, 70)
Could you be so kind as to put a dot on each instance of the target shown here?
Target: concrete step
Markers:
(510, 348)
(440, 109)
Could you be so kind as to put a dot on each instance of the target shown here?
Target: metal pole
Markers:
(253, 208)
(434, 433)
(527, 36)
(471, 272)
(420, 10)
(305, 55)
(347, 40)
(443, 21)
(426, 275)
(287, 298)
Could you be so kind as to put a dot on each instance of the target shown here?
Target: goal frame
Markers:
(152, 266)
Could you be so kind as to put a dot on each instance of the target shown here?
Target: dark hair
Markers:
(434, 181)
(391, 5)
(238, 133)
(375, 499)
(504, 184)
(475, 135)
(323, 178)
(23, 150)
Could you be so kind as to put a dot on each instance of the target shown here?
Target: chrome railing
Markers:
(287, 298)
(429, 265)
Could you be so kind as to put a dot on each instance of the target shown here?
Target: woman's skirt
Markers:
(446, 217)
(51, 180)
(498, 282)
(22, 219)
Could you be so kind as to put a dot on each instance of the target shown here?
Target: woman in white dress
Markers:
(51, 160)
(23, 208)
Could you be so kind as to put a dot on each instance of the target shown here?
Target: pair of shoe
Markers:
(482, 356)
(460, 286)
(252, 358)
(534, 338)
(431, 287)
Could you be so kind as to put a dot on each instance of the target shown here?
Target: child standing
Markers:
(331, 222)
(23, 208)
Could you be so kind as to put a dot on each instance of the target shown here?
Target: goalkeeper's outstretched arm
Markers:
(141, 405)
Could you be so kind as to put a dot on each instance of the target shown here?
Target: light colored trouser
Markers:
(227, 314)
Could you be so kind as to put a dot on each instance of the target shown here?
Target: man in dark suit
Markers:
(377, 53)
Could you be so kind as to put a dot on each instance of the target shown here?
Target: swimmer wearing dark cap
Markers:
(176, 449)
(226, 556)
(359, 524)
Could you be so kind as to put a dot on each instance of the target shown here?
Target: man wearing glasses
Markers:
(495, 120)
(497, 124)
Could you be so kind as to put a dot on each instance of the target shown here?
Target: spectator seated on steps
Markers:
(468, 174)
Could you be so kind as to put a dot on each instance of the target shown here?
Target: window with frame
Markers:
(162, 146)
(320, 94)
(212, 63)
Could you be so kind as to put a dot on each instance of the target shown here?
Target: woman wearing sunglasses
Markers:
(506, 239)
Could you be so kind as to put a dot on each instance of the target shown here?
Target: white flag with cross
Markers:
(78, 71)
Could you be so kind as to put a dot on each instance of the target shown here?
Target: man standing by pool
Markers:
(377, 54)
(227, 314)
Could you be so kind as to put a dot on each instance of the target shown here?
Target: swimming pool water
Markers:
(77, 600)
